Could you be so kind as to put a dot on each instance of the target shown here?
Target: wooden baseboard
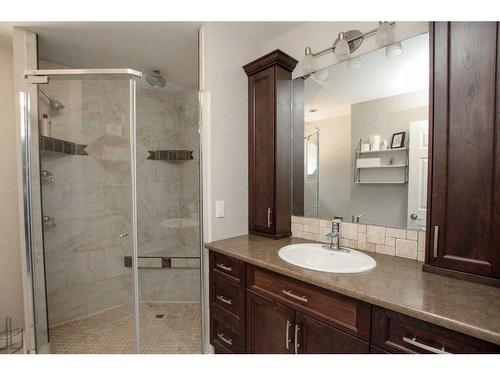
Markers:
(461, 275)
(277, 236)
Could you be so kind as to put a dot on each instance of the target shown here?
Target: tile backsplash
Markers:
(405, 243)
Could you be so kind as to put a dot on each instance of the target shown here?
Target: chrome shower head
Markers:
(54, 103)
(155, 79)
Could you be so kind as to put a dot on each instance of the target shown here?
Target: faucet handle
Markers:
(355, 218)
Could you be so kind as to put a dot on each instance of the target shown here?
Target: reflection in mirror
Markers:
(365, 138)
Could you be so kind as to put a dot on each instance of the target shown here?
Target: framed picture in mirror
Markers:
(398, 140)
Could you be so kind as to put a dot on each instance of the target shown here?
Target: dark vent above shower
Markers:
(61, 146)
(172, 155)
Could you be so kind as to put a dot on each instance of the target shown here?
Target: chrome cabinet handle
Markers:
(287, 335)
(436, 240)
(289, 293)
(269, 217)
(47, 219)
(227, 301)
(223, 338)
(414, 216)
(296, 343)
(223, 267)
(430, 349)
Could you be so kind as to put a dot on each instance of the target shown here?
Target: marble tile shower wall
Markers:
(91, 198)
(404, 243)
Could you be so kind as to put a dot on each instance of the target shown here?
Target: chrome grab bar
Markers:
(289, 293)
(223, 338)
(414, 342)
(287, 336)
(223, 267)
(296, 343)
(227, 301)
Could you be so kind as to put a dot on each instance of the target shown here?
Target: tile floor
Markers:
(112, 331)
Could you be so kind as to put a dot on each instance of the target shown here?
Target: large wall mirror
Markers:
(364, 152)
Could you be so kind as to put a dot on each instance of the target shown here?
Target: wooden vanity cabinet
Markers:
(463, 236)
(266, 312)
(269, 144)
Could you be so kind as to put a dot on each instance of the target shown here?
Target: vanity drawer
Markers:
(228, 268)
(228, 297)
(398, 333)
(342, 312)
(224, 338)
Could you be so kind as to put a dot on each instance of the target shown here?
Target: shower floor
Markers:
(112, 331)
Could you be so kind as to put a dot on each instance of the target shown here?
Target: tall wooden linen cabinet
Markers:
(463, 222)
(269, 144)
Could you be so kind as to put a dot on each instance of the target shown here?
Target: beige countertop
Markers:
(395, 283)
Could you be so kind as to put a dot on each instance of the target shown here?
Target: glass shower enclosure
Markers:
(112, 212)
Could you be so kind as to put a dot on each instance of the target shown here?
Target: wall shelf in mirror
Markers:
(171, 155)
(61, 146)
(382, 151)
(398, 161)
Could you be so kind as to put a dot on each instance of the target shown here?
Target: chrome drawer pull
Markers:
(289, 293)
(287, 336)
(414, 342)
(223, 267)
(296, 344)
(227, 301)
(223, 338)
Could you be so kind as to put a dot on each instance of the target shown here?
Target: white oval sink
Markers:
(315, 257)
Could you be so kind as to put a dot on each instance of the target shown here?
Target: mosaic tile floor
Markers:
(112, 331)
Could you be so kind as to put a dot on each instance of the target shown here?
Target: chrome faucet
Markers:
(334, 235)
(355, 218)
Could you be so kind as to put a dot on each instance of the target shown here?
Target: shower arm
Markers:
(47, 95)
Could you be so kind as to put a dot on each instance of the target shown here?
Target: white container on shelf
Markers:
(368, 162)
(45, 126)
(375, 142)
(365, 147)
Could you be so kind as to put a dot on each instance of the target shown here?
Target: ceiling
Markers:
(377, 77)
(261, 32)
(171, 47)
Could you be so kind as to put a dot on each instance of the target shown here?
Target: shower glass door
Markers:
(79, 169)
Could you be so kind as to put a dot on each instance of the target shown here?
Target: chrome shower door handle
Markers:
(123, 235)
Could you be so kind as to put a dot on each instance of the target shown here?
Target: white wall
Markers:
(225, 133)
(320, 35)
(11, 288)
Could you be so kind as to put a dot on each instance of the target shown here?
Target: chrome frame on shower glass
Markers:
(30, 167)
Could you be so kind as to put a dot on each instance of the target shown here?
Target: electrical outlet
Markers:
(219, 209)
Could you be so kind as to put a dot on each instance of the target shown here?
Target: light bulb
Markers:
(308, 62)
(385, 34)
(393, 50)
(342, 49)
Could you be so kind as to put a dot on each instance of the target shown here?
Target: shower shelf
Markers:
(173, 155)
(61, 146)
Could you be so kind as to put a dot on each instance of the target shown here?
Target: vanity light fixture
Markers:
(349, 41)
(342, 49)
(308, 62)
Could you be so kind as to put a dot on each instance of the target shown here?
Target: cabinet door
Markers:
(464, 225)
(314, 337)
(269, 326)
(261, 157)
